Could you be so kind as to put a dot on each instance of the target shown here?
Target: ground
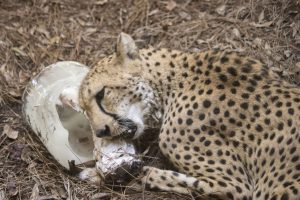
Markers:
(34, 34)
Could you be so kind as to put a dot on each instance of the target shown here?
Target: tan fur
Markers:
(229, 124)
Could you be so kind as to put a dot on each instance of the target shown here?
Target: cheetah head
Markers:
(114, 94)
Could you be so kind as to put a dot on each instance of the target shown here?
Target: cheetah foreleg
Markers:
(172, 181)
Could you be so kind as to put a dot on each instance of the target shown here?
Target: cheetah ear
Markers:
(126, 48)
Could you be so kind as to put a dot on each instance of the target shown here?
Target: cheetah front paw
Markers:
(148, 177)
(167, 180)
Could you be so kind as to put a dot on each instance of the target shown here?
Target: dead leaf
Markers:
(15, 92)
(171, 5)
(42, 29)
(9, 132)
(200, 41)
(12, 188)
(295, 28)
(32, 166)
(6, 74)
(101, 2)
(231, 42)
(287, 53)
(23, 77)
(15, 151)
(236, 33)
(267, 46)
(27, 154)
(54, 193)
(100, 195)
(268, 49)
(90, 31)
(266, 24)
(261, 17)
(153, 12)
(202, 15)
(2, 195)
(257, 41)
(221, 10)
(62, 192)
(54, 40)
(81, 22)
(35, 192)
(19, 51)
(277, 57)
(32, 30)
(146, 151)
(185, 15)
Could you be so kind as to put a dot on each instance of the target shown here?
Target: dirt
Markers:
(35, 34)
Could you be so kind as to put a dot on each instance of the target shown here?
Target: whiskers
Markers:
(125, 128)
(151, 119)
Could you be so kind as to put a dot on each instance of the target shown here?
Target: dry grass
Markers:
(36, 33)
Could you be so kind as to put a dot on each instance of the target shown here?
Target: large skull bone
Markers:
(51, 109)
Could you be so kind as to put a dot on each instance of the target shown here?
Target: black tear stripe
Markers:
(99, 96)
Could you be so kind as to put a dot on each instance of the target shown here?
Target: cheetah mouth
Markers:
(126, 128)
(123, 128)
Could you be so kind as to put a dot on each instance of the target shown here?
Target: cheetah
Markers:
(227, 123)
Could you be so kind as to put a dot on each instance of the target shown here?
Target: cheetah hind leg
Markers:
(172, 181)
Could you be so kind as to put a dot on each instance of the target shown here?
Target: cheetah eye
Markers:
(99, 96)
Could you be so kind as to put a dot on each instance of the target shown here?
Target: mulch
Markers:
(35, 34)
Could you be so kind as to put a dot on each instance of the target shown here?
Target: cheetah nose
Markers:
(103, 132)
